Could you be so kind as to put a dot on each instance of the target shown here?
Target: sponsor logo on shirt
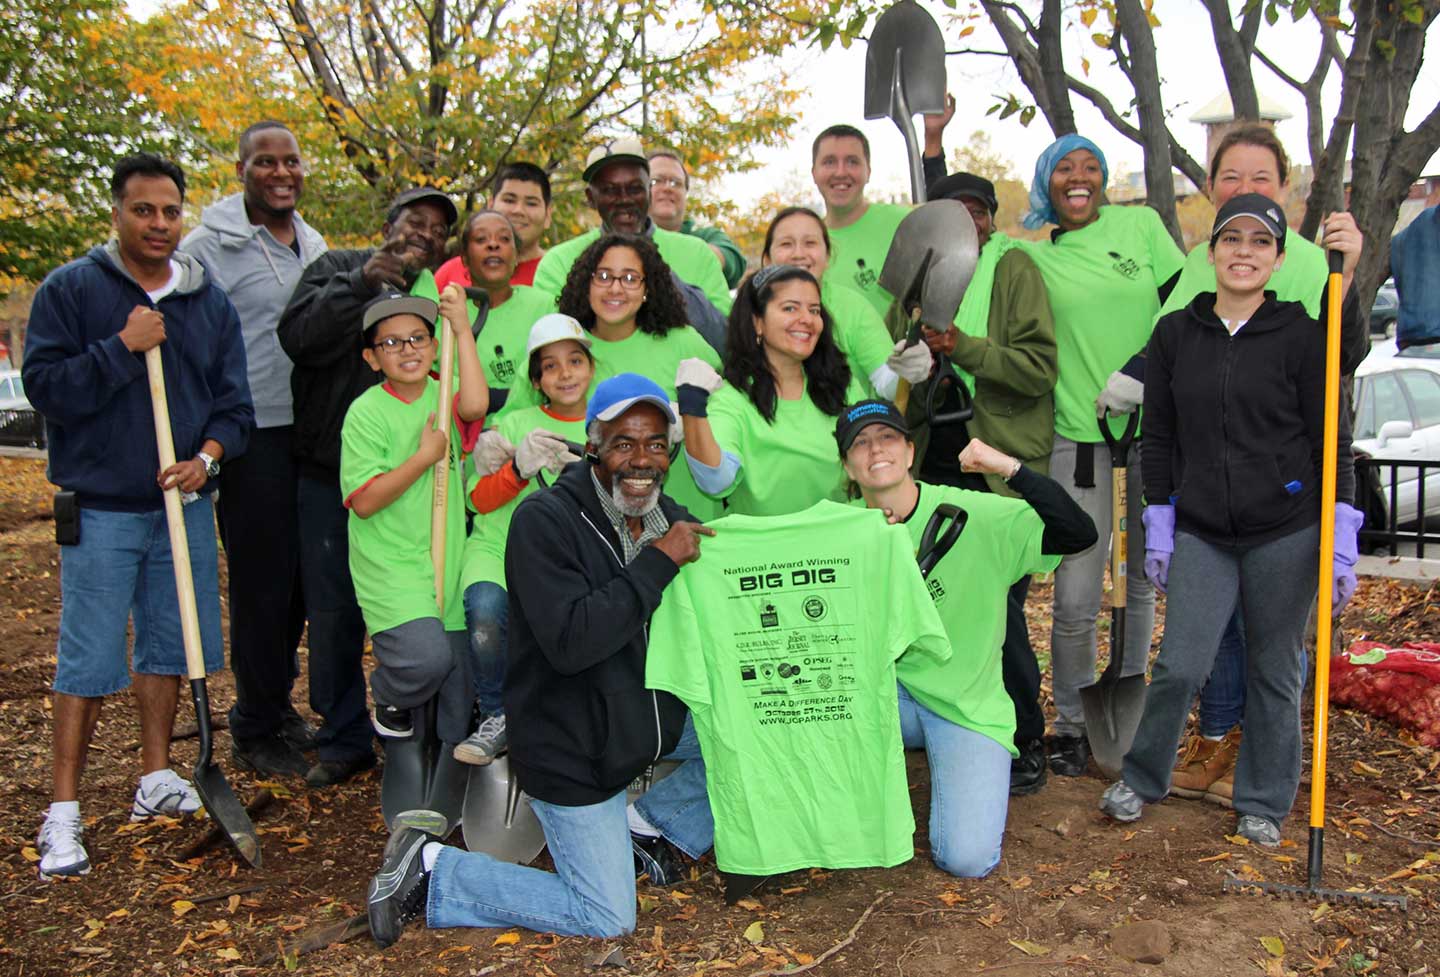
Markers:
(1128, 267)
(937, 589)
(504, 368)
(864, 277)
(815, 607)
(769, 617)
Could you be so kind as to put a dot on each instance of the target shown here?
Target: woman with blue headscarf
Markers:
(1104, 267)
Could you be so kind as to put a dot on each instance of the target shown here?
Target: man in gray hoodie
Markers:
(256, 246)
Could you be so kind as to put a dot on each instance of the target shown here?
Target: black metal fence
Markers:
(1393, 495)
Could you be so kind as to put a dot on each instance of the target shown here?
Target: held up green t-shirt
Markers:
(484, 559)
(1103, 281)
(782, 640)
(390, 551)
(859, 250)
(689, 257)
(1300, 278)
(859, 330)
(785, 466)
(970, 585)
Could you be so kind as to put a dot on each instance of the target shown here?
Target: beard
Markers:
(632, 507)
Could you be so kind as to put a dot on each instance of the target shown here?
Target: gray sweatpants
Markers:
(1079, 581)
(420, 660)
(1273, 584)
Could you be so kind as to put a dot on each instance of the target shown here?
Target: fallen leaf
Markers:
(458, 948)
(118, 914)
(507, 939)
(755, 932)
(181, 906)
(750, 904)
(677, 896)
(792, 890)
(1352, 858)
(30, 854)
(1273, 945)
(648, 904)
(232, 904)
(1215, 858)
(1361, 767)
(1030, 948)
(1237, 840)
(228, 953)
(804, 959)
(1321, 911)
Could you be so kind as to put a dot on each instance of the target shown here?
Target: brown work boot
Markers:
(1222, 792)
(1203, 762)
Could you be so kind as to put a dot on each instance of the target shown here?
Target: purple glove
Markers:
(1159, 522)
(1347, 550)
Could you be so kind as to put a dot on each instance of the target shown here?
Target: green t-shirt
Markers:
(689, 257)
(501, 343)
(858, 252)
(785, 466)
(484, 559)
(782, 640)
(970, 587)
(859, 330)
(390, 551)
(1300, 278)
(1103, 281)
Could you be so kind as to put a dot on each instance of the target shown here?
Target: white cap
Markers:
(553, 328)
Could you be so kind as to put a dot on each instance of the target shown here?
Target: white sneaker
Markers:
(60, 847)
(485, 744)
(173, 797)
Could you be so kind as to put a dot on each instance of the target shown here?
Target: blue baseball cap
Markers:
(615, 396)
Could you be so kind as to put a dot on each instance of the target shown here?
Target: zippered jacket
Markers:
(1234, 425)
(582, 724)
(93, 390)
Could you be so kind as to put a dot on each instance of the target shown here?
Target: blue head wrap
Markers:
(1042, 211)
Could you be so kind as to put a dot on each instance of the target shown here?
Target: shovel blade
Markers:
(421, 773)
(227, 812)
(905, 37)
(490, 823)
(931, 261)
(1112, 714)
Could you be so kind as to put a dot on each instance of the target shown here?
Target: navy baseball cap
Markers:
(1270, 214)
(857, 417)
(615, 396)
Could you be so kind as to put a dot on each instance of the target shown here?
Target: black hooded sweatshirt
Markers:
(1234, 425)
(582, 724)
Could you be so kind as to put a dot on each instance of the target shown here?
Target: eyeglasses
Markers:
(628, 280)
(669, 182)
(392, 344)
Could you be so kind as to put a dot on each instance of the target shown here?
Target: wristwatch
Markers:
(212, 466)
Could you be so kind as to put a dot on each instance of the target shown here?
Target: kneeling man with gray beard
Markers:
(586, 563)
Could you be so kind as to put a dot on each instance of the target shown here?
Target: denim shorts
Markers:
(120, 569)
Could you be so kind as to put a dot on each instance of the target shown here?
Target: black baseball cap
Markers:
(859, 416)
(416, 194)
(958, 185)
(1255, 205)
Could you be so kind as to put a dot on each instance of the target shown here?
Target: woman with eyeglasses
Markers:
(759, 438)
(621, 291)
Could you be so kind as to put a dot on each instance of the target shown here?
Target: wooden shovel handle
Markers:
(175, 518)
(439, 503)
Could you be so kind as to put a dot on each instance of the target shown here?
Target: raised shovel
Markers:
(905, 75)
(220, 801)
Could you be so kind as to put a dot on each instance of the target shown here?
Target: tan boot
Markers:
(1203, 762)
(1222, 791)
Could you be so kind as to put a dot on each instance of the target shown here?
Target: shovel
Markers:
(931, 260)
(210, 783)
(934, 544)
(1114, 704)
(905, 75)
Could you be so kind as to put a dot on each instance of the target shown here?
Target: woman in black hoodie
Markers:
(1234, 431)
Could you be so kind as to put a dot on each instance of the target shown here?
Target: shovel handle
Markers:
(175, 518)
(902, 389)
(440, 502)
(481, 299)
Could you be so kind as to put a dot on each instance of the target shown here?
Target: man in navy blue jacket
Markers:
(90, 325)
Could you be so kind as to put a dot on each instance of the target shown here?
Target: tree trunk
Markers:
(1144, 74)
(1033, 63)
(1234, 48)
(1052, 69)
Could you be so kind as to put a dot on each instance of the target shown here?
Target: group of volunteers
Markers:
(686, 518)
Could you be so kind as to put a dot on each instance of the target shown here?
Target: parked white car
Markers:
(20, 424)
(1397, 418)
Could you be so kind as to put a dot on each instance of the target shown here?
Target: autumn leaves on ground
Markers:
(1075, 894)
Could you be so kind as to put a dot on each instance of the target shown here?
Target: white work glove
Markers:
(695, 381)
(541, 449)
(491, 452)
(1122, 394)
(912, 363)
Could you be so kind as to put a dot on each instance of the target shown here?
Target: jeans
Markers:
(679, 805)
(1272, 583)
(1079, 580)
(337, 630)
(122, 570)
(487, 615)
(969, 789)
(259, 527)
(1222, 700)
(592, 890)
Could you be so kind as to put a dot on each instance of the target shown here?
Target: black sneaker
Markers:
(658, 860)
(297, 732)
(1069, 755)
(270, 756)
(327, 773)
(392, 722)
(1027, 771)
(398, 891)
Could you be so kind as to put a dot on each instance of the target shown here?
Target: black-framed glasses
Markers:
(628, 280)
(417, 342)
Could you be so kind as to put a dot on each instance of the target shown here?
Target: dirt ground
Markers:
(1069, 877)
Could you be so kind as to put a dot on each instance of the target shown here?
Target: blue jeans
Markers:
(679, 805)
(592, 890)
(969, 789)
(1222, 701)
(122, 568)
(487, 615)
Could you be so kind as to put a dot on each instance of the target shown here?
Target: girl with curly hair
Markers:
(622, 292)
(760, 438)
